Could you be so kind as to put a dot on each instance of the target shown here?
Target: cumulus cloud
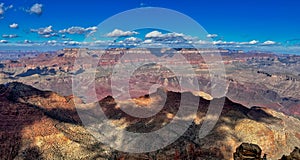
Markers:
(94, 28)
(14, 25)
(172, 39)
(132, 39)
(3, 41)
(120, 33)
(211, 35)
(73, 43)
(45, 32)
(269, 43)
(9, 36)
(253, 42)
(157, 34)
(148, 41)
(154, 34)
(36, 9)
(78, 30)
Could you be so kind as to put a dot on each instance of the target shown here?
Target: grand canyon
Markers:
(40, 120)
(149, 80)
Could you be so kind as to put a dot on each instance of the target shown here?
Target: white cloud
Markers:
(27, 41)
(50, 35)
(174, 35)
(78, 30)
(269, 43)
(45, 32)
(201, 42)
(73, 43)
(94, 43)
(52, 42)
(1, 8)
(94, 28)
(170, 39)
(219, 42)
(211, 35)
(10, 6)
(157, 34)
(224, 42)
(154, 34)
(3, 41)
(120, 33)
(253, 42)
(148, 41)
(9, 36)
(132, 39)
(14, 25)
(36, 9)
(100, 42)
(73, 30)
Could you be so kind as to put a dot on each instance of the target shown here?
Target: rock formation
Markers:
(295, 155)
(247, 151)
(254, 79)
(39, 124)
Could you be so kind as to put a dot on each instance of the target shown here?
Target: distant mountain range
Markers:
(253, 78)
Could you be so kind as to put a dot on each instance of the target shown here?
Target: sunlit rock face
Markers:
(39, 124)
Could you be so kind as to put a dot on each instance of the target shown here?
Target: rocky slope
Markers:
(253, 79)
(44, 125)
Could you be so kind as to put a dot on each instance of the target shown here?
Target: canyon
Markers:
(39, 124)
(252, 78)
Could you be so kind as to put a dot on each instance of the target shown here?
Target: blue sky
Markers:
(230, 20)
